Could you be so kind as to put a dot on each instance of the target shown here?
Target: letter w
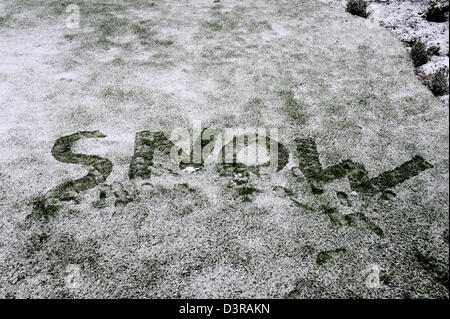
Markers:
(356, 173)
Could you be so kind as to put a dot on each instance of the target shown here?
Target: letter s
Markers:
(100, 167)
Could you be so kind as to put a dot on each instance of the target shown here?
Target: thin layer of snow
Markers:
(406, 20)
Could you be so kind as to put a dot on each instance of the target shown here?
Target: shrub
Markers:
(439, 82)
(419, 53)
(437, 10)
(358, 8)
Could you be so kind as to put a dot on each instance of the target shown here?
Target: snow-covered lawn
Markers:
(300, 66)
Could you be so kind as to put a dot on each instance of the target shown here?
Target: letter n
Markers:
(145, 144)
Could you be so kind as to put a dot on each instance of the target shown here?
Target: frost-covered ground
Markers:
(363, 194)
(406, 20)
